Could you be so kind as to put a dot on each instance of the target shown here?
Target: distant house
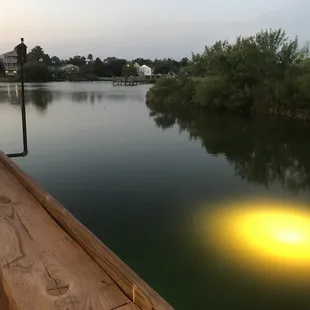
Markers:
(136, 65)
(69, 68)
(9, 60)
(147, 71)
(143, 70)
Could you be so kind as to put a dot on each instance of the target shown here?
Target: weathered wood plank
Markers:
(41, 267)
(4, 303)
(133, 286)
(130, 306)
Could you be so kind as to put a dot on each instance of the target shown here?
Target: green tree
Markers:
(113, 66)
(47, 60)
(166, 65)
(129, 70)
(36, 72)
(56, 61)
(265, 73)
(78, 61)
(184, 62)
(36, 53)
(98, 67)
(90, 58)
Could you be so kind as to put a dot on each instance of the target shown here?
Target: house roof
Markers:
(10, 53)
(69, 66)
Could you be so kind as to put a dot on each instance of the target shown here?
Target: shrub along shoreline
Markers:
(266, 73)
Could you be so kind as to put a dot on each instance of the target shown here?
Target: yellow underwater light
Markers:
(263, 236)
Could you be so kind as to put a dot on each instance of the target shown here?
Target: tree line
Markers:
(42, 67)
(264, 73)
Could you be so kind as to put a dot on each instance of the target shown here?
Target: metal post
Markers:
(21, 50)
(23, 108)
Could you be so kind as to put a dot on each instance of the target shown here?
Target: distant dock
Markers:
(132, 81)
(50, 261)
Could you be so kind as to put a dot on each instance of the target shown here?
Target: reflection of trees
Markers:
(92, 98)
(40, 97)
(164, 121)
(262, 151)
(79, 97)
(99, 97)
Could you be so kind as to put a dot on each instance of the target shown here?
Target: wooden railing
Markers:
(140, 293)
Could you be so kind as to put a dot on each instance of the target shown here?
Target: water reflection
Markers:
(263, 151)
(80, 97)
(10, 94)
(13, 96)
(39, 97)
(42, 95)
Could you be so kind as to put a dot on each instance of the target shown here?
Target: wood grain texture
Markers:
(4, 303)
(129, 306)
(138, 292)
(41, 266)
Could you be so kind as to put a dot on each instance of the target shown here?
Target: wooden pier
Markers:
(50, 261)
(132, 81)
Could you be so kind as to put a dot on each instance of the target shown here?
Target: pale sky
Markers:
(143, 28)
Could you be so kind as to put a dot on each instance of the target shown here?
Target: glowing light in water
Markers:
(263, 236)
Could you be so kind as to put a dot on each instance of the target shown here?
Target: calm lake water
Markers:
(152, 185)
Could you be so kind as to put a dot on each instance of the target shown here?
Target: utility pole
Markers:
(21, 50)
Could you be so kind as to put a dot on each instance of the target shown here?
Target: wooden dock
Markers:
(50, 261)
(132, 81)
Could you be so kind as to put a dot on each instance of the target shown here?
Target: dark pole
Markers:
(23, 108)
(21, 50)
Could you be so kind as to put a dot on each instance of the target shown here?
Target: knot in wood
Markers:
(4, 199)
(56, 287)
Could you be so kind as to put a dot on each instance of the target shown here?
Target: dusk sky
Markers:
(137, 28)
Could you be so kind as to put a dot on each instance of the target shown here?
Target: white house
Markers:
(146, 71)
(10, 62)
(143, 70)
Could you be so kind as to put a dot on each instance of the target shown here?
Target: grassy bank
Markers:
(264, 74)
